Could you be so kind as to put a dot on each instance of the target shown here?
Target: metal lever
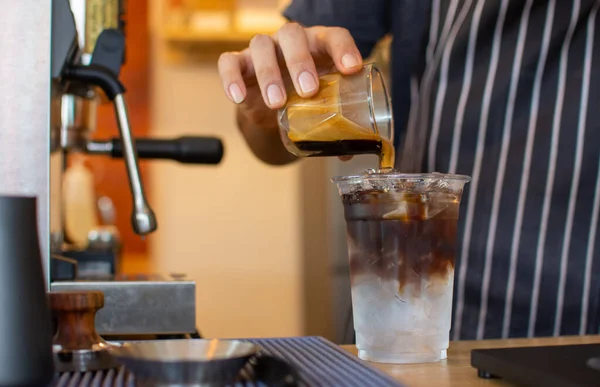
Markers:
(143, 219)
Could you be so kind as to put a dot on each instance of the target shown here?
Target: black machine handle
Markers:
(105, 67)
(187, 149)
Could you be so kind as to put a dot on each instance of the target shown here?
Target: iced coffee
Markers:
(350, 115)
(401, 234)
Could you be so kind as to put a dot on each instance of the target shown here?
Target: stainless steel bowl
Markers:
(185, 362)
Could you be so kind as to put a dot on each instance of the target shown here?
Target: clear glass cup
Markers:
(401, 234)
(350, 115)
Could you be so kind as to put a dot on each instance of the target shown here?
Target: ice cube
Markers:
(401, 212)
(432, 205)
(373, 300)
(433, 210)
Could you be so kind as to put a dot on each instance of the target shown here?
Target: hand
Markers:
(256, 77)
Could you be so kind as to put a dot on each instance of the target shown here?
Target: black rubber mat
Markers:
(317, 361)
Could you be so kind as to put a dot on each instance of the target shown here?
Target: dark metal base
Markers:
(486, 375)
(91, 264)
(594, 363)
(553, 366)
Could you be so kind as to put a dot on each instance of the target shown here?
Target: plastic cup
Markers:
(401, 234)
(350, 115)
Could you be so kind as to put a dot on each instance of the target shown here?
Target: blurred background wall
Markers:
(234, 228)
(265, 245)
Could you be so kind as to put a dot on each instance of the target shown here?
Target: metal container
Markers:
(185, 362)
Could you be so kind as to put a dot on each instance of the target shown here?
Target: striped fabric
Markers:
(506, 91)
(318, 362)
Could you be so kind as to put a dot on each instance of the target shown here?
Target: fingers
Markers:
(230, 70)
(294, 46)
(341, 47)
(268, 74)
(298, 47)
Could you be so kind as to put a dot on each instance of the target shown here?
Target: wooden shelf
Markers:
(201, 28)
(185, 45)
(190, 36)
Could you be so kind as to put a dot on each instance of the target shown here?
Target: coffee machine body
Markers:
(26, 100)
(58, 58)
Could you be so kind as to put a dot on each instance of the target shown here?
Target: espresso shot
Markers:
(425, 225)
(350, 115)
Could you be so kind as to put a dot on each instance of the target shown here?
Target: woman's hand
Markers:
(258, 75)
(256, 78)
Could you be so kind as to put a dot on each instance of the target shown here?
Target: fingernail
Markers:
(349, 61)
(236, 93)
(274, 94)
(307, 82)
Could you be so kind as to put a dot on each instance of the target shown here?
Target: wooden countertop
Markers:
(457, 370)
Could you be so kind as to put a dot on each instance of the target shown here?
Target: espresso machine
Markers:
(61, 58)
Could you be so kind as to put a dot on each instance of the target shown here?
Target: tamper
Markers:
(77, 346)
